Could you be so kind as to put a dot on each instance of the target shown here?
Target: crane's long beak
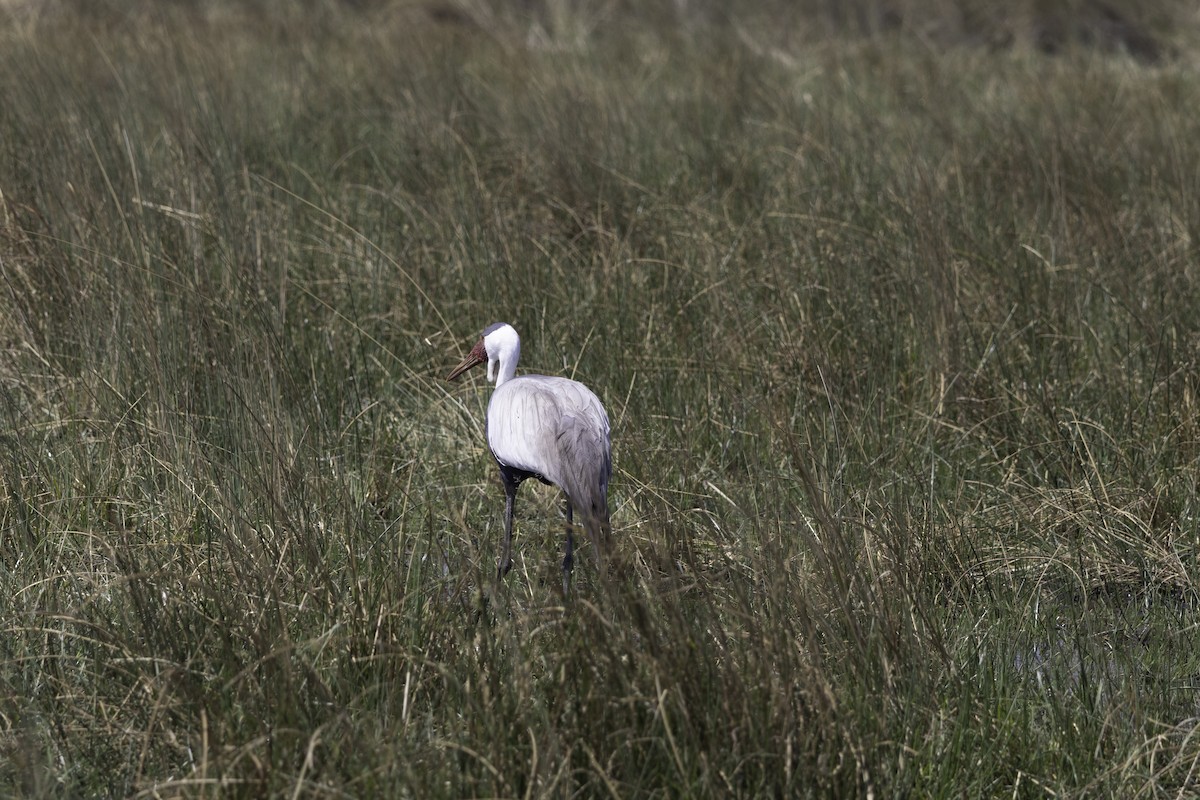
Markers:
(478, 355)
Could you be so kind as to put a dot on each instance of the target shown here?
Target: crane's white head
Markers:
(500, 347)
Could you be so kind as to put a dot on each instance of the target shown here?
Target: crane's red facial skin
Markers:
(478, 355)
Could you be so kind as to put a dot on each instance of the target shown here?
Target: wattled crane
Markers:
(552, 429)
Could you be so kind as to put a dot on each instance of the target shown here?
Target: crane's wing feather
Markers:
(556, 428)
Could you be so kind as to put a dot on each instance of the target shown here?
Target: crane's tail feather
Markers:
(586, 458)
(599, 533)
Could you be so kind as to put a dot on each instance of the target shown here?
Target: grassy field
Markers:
(898, 327)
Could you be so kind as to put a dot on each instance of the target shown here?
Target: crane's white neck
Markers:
(503, 347)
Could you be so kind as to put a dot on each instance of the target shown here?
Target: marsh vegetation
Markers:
(898, 327)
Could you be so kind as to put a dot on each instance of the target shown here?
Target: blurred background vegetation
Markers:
(894, 307)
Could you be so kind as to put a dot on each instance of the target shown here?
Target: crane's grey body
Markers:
(549, 428)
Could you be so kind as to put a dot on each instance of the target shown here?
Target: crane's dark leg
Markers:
(510, 498)
(569, 561)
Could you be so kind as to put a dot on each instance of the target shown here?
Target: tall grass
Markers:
(900, 340)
